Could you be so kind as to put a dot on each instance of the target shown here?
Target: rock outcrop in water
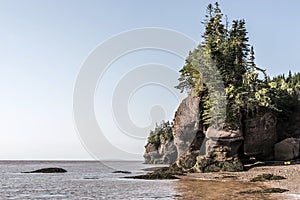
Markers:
(161, 173)
(49, 170)
(121, 172)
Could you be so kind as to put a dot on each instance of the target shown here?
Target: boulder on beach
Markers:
(287, 149)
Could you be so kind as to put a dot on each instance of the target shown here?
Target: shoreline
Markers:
(240, 182)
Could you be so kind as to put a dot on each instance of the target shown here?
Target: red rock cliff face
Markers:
(186, 128)
(186, 132)
(193, 146)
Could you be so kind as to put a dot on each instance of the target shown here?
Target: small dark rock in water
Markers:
(151, 169)
(121, 172)
(49, 170)
(92, 178)
(154, 176)
(162, 173)
(267, 177)
(265, 191)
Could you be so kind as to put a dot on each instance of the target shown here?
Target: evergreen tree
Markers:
(226, 51)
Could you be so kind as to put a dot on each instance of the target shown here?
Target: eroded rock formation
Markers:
(205, 149)
(186, 129)
(221, 153)
(164, 153)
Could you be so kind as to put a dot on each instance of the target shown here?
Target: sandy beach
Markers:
(229, 185)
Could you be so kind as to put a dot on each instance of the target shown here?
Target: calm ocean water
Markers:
(84, 180)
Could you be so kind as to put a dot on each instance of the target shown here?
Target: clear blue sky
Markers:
(44, 43)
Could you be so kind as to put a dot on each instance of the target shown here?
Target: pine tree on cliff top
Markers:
(228, 50)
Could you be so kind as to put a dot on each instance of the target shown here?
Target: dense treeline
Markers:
(226, 59)
(222, 71)
(285, 92)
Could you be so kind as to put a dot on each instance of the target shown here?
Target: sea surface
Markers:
(96, 180)
(84, 180)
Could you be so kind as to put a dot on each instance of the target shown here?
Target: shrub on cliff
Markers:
(161, 132)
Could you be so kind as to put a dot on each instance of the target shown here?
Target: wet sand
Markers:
(225, 189)
(228, 185)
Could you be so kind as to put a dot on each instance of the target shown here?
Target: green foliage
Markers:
(284, 93)
(161, 132)
(225, 60)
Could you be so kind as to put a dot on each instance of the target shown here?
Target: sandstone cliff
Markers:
(160, 148)
(204, 149)
(164, 153)
(187, 126)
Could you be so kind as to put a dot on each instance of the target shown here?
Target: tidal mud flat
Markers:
(192, 188)
(240, 185)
